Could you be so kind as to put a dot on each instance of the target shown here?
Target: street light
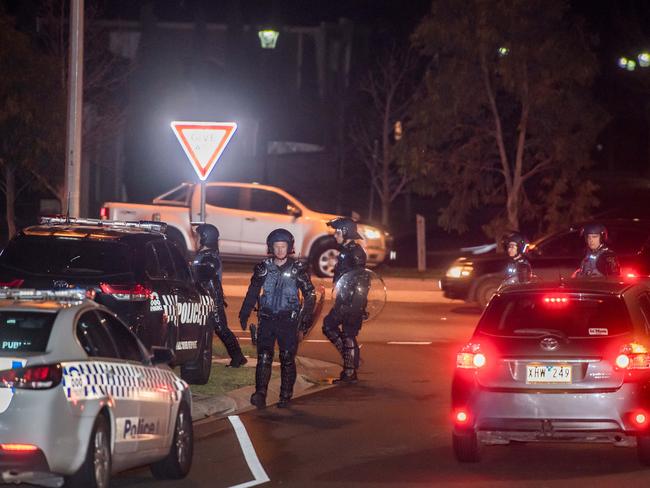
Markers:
(268, 38)
(644, 59)
(503, 51)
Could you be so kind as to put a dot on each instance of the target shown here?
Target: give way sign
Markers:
(203, 143)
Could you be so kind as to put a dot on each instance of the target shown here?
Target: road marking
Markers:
(316, 340)
(249, 453)
(410, 343)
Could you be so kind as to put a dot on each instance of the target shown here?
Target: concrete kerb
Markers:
(313, 376)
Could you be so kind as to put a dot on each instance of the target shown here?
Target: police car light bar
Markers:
(74, 294)
(139, 224)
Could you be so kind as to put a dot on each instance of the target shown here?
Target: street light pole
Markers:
(75, 110)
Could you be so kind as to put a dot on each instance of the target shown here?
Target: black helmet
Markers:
(516, 237)
(279, 235)
(347, 226)
(595, 228)
(208, 235)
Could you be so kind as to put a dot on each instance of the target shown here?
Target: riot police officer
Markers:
(280, 278)
(518, 269)
(343, 323)
(599, 260)
(209, 255)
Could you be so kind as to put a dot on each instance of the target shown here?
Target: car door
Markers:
(222, 209)
(113, 378)
(161, 326)
(149, 429)
(557, 256)
(267, 210)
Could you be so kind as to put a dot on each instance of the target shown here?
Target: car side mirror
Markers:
(202, 272)
(294, 211)
(162, 355)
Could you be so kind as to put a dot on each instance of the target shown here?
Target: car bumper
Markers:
(603, 416)
(455, 288)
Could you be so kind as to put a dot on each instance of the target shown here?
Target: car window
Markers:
(566, 244)
(25, 331)
(165, 264)
(151, 262)
(94, 337)
(576, 315)
(627, 241)
(179, 194)
(269, 202)
(74, 257)
(181, 266)
(223, 196)
(126, 342)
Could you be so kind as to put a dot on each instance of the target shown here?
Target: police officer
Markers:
(518, 269)
(599, 260)
(209, 255)
(342, 325)
(280, 278)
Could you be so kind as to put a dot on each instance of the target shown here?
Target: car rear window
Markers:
(61, 256)
(25, 331)
(575, 315)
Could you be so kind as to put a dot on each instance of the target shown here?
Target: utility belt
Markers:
(282, 315)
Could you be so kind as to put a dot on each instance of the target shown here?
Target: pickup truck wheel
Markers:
(485, 290)
(324, 259)
(198, 372)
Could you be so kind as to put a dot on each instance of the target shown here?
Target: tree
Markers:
(386, 97)
(506, 119)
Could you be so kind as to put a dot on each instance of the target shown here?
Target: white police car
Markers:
(80, 397)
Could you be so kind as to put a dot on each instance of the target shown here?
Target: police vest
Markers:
(280, 289)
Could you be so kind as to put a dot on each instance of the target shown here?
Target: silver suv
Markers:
(565, 361)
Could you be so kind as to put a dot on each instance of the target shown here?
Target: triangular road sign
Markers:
(203, 143)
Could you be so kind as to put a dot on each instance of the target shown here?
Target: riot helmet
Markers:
(517, 238)
(595, 228)
(208, 236)
(347, 226)
(280, 235)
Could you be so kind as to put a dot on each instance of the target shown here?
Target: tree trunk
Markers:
(385, 211)
(10, 197)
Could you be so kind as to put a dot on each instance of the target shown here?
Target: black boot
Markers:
(262, 378)
(288, 375)
(349, 373)
(229, 340)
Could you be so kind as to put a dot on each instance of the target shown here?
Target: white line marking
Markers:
(249, 453)
(410, 343)
(316, 340)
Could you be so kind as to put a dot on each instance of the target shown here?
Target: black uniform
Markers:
(281, 316)
(342, 325)
(210, 257)
(599, 263)
(518, 270)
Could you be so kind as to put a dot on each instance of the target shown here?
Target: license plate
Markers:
(537, 373)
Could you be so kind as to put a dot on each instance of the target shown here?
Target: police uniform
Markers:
(281, 316)
(343, 323)
(518, 270)
(599, 263)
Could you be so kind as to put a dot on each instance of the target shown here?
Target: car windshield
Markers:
(25, 331)
(566, 315)
(63, 256)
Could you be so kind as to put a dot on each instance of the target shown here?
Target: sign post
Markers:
(203, 143)
(422, 246)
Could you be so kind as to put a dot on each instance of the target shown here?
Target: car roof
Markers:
(77, 231)
(602, 286)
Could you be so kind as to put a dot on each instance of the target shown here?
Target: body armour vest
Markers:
(280, 288)
(351, 256)
(518, 270)
(211, 258)
(599, 263)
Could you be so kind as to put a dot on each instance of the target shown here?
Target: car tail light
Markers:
(135, 292)
(32, 377)
(639, 419)
(103, 213)
(17, 283)
(18, 447)
(556, 301)
(471, 357)
(461, 417)
(633, 356)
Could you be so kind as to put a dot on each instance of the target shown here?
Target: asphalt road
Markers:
(391, 429)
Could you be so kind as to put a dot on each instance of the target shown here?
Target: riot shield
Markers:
(361, 291)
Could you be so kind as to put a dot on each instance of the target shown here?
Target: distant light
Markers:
(631, 65)
(503, 51)
(268, 38)
(622, 62)
(398, 130)
(644, 59)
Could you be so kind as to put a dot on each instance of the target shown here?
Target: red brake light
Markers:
(31, 377)
(17, 283)
(639, 419)
(471, 357)
(461, 417)
(633, 356)
(556, 301)
(103, 213)
(18, 447)
(135, 292)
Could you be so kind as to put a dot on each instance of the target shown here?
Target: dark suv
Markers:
(555, 256)
(135, 271)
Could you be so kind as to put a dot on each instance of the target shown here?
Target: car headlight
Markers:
(371, 233)
(460, 271)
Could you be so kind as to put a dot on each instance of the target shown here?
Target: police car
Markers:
(135, 270)
(80, 396)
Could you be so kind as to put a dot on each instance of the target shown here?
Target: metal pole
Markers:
(422, 246)
(75, 109)
(202, 216)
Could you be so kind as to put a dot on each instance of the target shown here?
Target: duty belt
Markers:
(283, 315)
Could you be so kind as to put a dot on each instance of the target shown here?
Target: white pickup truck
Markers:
(245, 213)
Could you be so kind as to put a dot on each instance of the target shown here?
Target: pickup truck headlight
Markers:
(460, 271)
(371, 233)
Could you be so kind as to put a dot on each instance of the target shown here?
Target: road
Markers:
(391, 429)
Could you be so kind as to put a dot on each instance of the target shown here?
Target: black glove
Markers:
(243, 321)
